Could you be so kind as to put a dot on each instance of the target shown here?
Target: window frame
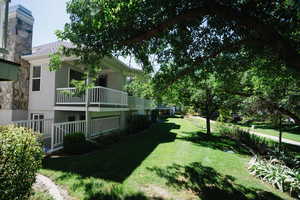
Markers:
(34, 78)
(69, 76)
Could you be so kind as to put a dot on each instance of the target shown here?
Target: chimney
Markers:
(20, 28)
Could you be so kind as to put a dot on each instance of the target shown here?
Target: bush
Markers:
(277, 174)
(154, 115)
(75, 143)
(137, 123)
(287, 157)
(258, 144)
(20, 158)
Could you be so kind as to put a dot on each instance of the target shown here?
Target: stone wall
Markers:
(19, 41)
(14, 95)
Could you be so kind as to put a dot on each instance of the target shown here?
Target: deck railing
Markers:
(108, 96)
(148, 104)
(135, 103)
(70, 96)
(97, 95)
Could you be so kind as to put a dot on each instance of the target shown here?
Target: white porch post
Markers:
(87, 102)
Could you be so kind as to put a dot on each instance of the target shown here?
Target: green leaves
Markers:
(20, 158)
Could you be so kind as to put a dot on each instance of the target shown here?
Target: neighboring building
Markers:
(14, 94)
(8, 70)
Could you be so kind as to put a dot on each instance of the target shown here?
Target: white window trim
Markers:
(36, 78)
(38, 116)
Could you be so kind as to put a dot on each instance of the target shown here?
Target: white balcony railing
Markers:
(137, 103)
(97, 95)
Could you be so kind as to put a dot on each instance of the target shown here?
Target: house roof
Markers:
(50, 48)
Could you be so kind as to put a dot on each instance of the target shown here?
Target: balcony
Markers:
(97, 96)
(101, 96)
(136, 103)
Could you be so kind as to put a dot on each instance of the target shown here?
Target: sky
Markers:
(49, 15)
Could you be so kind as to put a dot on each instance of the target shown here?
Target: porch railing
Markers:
(53, 133)
(43, 126)
(97, 95)
(62, 129)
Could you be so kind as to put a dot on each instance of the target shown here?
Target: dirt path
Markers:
(274, 138)
(45, 184)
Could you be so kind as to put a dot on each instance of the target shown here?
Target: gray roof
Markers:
(50, 48)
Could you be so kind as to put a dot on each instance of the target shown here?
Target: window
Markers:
(38, 123)
(71, 118)
(75, 75)
(101, 80)
(82, 117)
(36, 78)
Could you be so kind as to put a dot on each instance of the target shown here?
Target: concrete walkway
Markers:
(274, 138)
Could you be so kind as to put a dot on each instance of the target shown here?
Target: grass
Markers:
(293, 134)
(171, 160)
(39, 195)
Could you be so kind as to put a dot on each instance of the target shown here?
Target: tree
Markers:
(185, 33)
(140, 87)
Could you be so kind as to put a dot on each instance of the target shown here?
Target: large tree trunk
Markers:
(208, 124)
(280, 132)
(208, 113)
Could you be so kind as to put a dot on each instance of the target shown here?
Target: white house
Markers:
(58, 108)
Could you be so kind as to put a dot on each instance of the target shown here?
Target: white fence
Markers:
(62, 129)
(104, 125)
(53, 133)
(97, 95)
(41, 126)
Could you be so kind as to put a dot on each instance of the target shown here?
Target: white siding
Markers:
(42, 100)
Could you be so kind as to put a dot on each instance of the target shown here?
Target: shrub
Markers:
(20, 158)
(258, 144)
(288, 158)
(137, 123)
(75, 143)
(154, 115)
(277, 174)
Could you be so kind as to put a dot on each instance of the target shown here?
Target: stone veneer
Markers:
(14, 95)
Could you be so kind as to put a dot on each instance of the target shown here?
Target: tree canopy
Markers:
(185, 33)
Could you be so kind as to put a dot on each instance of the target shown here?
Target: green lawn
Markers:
(171, 160)
(264, 129)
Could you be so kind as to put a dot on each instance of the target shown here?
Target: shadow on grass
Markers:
(100, 191)
(117, 193)
(207, 183)
(118, 161)
(214, 142)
